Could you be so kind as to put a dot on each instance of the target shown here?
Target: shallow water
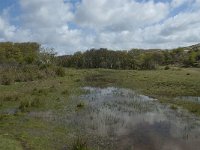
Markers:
(195, 99)
(121, 119)
(127, 120)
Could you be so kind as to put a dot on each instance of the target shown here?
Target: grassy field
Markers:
(20, 103)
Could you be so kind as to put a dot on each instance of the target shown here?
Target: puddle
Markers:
(9, 111)
(127, 120)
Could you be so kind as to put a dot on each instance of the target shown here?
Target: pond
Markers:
(118, 118)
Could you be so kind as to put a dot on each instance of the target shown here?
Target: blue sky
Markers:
(71, 25)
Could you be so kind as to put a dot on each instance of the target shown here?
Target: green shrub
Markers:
(25, 105)
(80, 144)
(167, 68)
(3, 116)
(60, 71)
(80, 105)
(173, 107)
(77, 80)
(52, 88)
(65, 92)
(6, 79)
(10, 98)
(39, 92)
(36, 103)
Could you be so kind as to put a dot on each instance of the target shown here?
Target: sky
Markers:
(77, 25)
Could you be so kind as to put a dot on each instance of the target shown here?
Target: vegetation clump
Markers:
(80, 144)
(60, 72)
(173, 107)
(80, 105)
(6, 79)
(25, 106)
(65, 92)
(167, 68)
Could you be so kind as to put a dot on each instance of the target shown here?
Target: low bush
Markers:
(25, 105)
(174, 107)
(7, 79)
(36, 103)
(80, 105)
(80, 144)
(65, 92)
(60, 71)
(167, 68)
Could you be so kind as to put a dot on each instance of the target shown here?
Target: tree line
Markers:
(133, 59)
(32, 53)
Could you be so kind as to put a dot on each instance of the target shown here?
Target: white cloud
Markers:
(119, 15)
(48, 23)
(6, 30)
(45, 13)
(114, 24)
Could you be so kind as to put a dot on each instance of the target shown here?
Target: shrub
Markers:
(3, 116)
(7, 98)
(52, 88)
(6, 79)
(24, 106)
(39, 92)
(11, 98)
(173, 107)
(60, 71)
(77, 80)
(167, 68)
(65, 92)
(36, 103)
(80, 144)
(80, 105)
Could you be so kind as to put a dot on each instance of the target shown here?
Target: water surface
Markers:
(131, 121)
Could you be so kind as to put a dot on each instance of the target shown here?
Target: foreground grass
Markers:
(52, 96)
